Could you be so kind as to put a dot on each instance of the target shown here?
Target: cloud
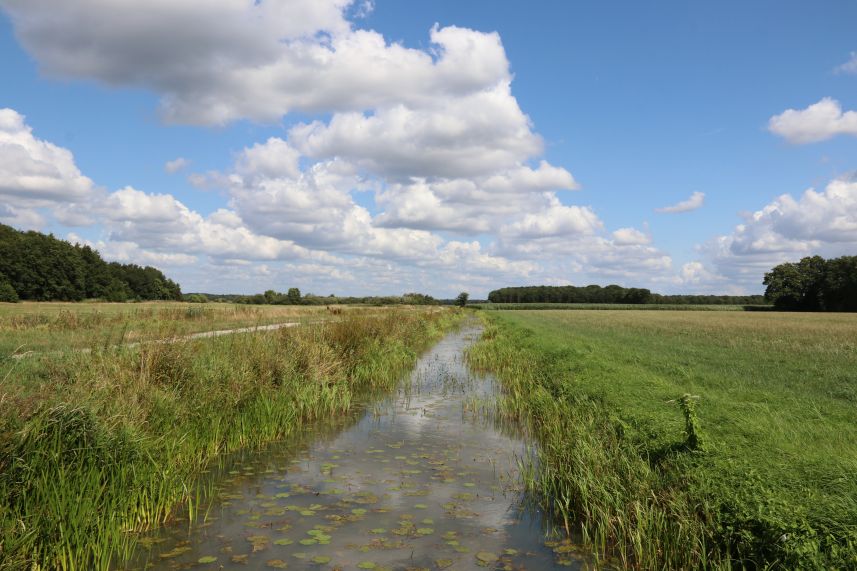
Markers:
(695, 201)
(630, 236)
(788, 229)
(818, 122)
(176, 165)
(23, 218)
(129, 252)
(160, 223)
(215, 63)
(695, 273)
(471, 205)
(36, 173)
(414, 167)
(471, 135)
(849, 66)
(556, 221)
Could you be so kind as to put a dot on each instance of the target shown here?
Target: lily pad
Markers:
(486, 558)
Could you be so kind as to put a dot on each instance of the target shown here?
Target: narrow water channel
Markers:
(424, 479)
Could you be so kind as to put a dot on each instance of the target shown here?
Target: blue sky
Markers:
(383, 166)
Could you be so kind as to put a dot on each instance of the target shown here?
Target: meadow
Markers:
(98, 445)
(617, 306)
(57, 326)
(680, 439)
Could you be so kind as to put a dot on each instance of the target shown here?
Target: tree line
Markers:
(293, 297)
(814, 284)
(40, 267)
(610, 294)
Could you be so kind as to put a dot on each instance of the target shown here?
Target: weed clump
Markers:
(692, 431)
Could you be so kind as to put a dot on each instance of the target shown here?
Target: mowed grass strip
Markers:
(774, 484)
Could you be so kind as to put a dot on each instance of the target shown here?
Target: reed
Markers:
(97, 446)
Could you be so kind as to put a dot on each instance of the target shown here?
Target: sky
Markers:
(359, 147)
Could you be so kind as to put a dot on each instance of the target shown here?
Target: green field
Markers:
(97, 445)
(617, 306)
(771, 482)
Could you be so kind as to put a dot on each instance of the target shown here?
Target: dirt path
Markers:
(178, 338)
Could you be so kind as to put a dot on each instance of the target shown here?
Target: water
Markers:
(425, 479)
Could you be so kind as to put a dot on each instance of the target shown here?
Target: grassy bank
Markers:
(95, 446)
(754, 468)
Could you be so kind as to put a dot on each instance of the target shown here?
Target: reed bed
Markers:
(688, 441)
(95, 447)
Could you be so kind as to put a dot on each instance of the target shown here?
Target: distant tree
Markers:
(117, 291)
(462, 298)
(196, 298)
(294, 295)
(814, 284)
(840, 284)
(796, 285)
(40, 267)
(414, 298)
(7, 292)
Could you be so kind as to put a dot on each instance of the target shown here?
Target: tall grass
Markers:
(43, 326)
(682, 483)
(94, 447)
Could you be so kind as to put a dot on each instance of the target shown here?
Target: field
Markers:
(617, 306)
(690, 439)
(95, 445)
(39, 326)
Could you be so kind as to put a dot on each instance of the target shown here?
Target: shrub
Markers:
(8, 293)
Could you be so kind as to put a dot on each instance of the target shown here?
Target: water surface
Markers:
(424, 479)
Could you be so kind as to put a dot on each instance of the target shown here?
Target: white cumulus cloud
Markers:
(787, 229)
(34, 172)
(818, 122)
(695, 201)
(214, 62)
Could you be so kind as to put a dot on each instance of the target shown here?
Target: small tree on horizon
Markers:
(462, 298)
(7, 292)
(294, 295)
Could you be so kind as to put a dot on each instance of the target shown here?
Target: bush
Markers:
(8, 293)
(196, 298)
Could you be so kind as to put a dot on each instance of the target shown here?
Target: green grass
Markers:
(97, 446)
(770, 481)
(618, 306)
